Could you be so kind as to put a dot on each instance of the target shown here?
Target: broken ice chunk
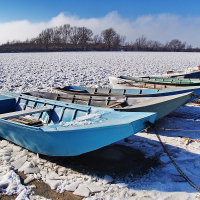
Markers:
(95, 187)
(62, 171)
(9, 149)
(18, 163)
(37, 176)
(17, 148)
(24, 166)
(21, 154)
(4, 152)
(52, 175)
(72, 187)
(31, 170)
(6, 158)
(53, 183)
(82, 190)
(29, 179)
(43, 173)
(4, 143)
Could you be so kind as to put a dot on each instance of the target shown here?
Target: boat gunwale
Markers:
(106, 111)
(161, 80)
(157, 92)
(47, 101)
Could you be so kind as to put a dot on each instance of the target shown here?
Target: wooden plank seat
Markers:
(23, 112)
(31, 121)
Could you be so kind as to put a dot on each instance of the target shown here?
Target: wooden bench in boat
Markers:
(30, 121)
(23, 112)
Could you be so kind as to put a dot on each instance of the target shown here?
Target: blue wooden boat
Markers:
(58, 128)
(162, 105)
(127, 92)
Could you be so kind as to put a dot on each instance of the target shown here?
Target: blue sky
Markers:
(161, 20)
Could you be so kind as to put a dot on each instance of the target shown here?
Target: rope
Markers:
(175, 129)
(173, 162)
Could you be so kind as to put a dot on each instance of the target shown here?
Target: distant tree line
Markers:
(68, 38)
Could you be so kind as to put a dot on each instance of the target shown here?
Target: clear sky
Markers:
(161, 20)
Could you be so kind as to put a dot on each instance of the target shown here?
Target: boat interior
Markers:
(34, 111)
(115, 102)
(99, 101)
(109, 91)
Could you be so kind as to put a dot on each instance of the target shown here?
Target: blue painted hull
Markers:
(57, 137)
(192, 75)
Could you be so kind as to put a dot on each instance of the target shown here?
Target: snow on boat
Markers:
(161, 105)
(58, 128)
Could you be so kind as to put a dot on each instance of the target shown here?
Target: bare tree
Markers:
(46, 37)
(122, 40)
(189, 48)
(74, 35)
(85, 35)
(97, 39)
(154, 45)
(108, 37)
(65, 33)
(141, 43)
(176, 45)
(111, 39)
(56, 35)
(116, 41)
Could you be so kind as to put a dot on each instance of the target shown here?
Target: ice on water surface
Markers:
(42, 71)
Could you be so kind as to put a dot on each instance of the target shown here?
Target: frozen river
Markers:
(32, 71)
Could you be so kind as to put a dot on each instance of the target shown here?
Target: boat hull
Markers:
(190, 73)
(162, 105)
(122, 91)
(61, 141)
(70, 137)
(186, 75)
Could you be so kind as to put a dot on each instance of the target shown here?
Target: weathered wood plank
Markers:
(31, 121)
(23, 112)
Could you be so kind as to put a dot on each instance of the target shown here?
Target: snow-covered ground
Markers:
(41, 71)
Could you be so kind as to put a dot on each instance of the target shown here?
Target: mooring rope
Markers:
(176, 129)
(173, 162)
